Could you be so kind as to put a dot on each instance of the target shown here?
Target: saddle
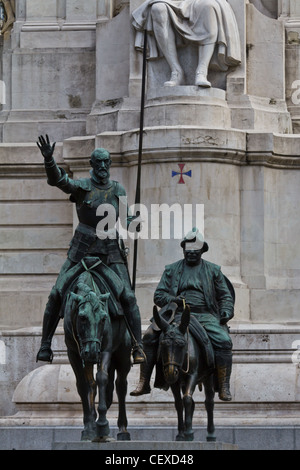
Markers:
(104, 277)
(202, 339)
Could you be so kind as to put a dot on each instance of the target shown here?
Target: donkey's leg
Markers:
(179, 408)
(123, 368)
(86, 388)
(110, 385)
(102, 382)
(209, 405)
(189, 405)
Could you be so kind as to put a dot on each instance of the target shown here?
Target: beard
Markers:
(101, 174)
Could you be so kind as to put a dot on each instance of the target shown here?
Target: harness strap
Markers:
(187, 351)
(177, 364)
(87, 340)
(89, 271)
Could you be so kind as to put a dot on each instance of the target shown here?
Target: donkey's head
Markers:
(173, 344)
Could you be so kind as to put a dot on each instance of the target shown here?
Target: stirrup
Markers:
(139, 357)
(45, 354)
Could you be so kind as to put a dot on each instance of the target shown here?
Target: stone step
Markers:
(152, 437)
(144, 445)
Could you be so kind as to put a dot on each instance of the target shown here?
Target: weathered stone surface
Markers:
(70, 70)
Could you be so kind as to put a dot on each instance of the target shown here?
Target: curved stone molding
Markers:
(266, 7)
(169, 143)
(165, 144)
(273, 150)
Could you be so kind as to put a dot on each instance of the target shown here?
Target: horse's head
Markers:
(89, 322)
(173, 344)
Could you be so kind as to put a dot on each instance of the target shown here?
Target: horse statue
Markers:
(184, 367)
(93, 337)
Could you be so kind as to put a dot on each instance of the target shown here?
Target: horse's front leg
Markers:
(121, 388)
(189, 405)
(179, 408)
(102, 381)
(86, 387)
(209, 405)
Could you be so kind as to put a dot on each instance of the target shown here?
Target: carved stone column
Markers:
(291, 17)
(49, 69)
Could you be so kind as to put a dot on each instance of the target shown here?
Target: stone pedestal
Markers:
(264, 385)
(49, 70)
(71, 70)
(146, 445)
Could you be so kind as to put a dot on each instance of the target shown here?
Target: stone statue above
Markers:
(9, 6)
(208, 24)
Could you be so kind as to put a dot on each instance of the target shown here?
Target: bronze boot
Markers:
(224, 366)
(50, 322)
(146, 368)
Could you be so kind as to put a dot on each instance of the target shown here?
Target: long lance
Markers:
(138, 182)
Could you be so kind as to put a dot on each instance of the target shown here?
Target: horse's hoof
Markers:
(103, 429)
(88, 436)
(189, 436)
(180, 437)
(123, 436)
(211, 438)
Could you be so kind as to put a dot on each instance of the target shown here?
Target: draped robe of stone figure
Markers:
(209, 24)
(10, 9)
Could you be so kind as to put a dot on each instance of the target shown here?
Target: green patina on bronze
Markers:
(88, 194)
(210, 296)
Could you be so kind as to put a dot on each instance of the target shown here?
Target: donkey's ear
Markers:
(159, 320)
(185, 319)
(75, 297)
(104, 296)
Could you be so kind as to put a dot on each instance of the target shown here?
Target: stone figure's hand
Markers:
(45, 147)
(179, 301)
(225, 317)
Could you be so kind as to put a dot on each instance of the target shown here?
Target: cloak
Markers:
(196, 22)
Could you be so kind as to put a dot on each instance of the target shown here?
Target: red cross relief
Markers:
(181, 173)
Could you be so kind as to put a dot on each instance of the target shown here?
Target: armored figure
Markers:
(210, 295)
(89, 194)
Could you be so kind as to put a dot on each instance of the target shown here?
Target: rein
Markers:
(89, 271)
(188, 354)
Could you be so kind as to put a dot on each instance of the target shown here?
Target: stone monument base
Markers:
(144, 445)
(266, 437)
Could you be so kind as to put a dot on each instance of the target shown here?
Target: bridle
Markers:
(177, 364)
(84, 341)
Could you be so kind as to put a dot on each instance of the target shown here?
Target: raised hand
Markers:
(45, 147)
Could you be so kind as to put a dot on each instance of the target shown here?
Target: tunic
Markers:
(205, 284)
(195, 21)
